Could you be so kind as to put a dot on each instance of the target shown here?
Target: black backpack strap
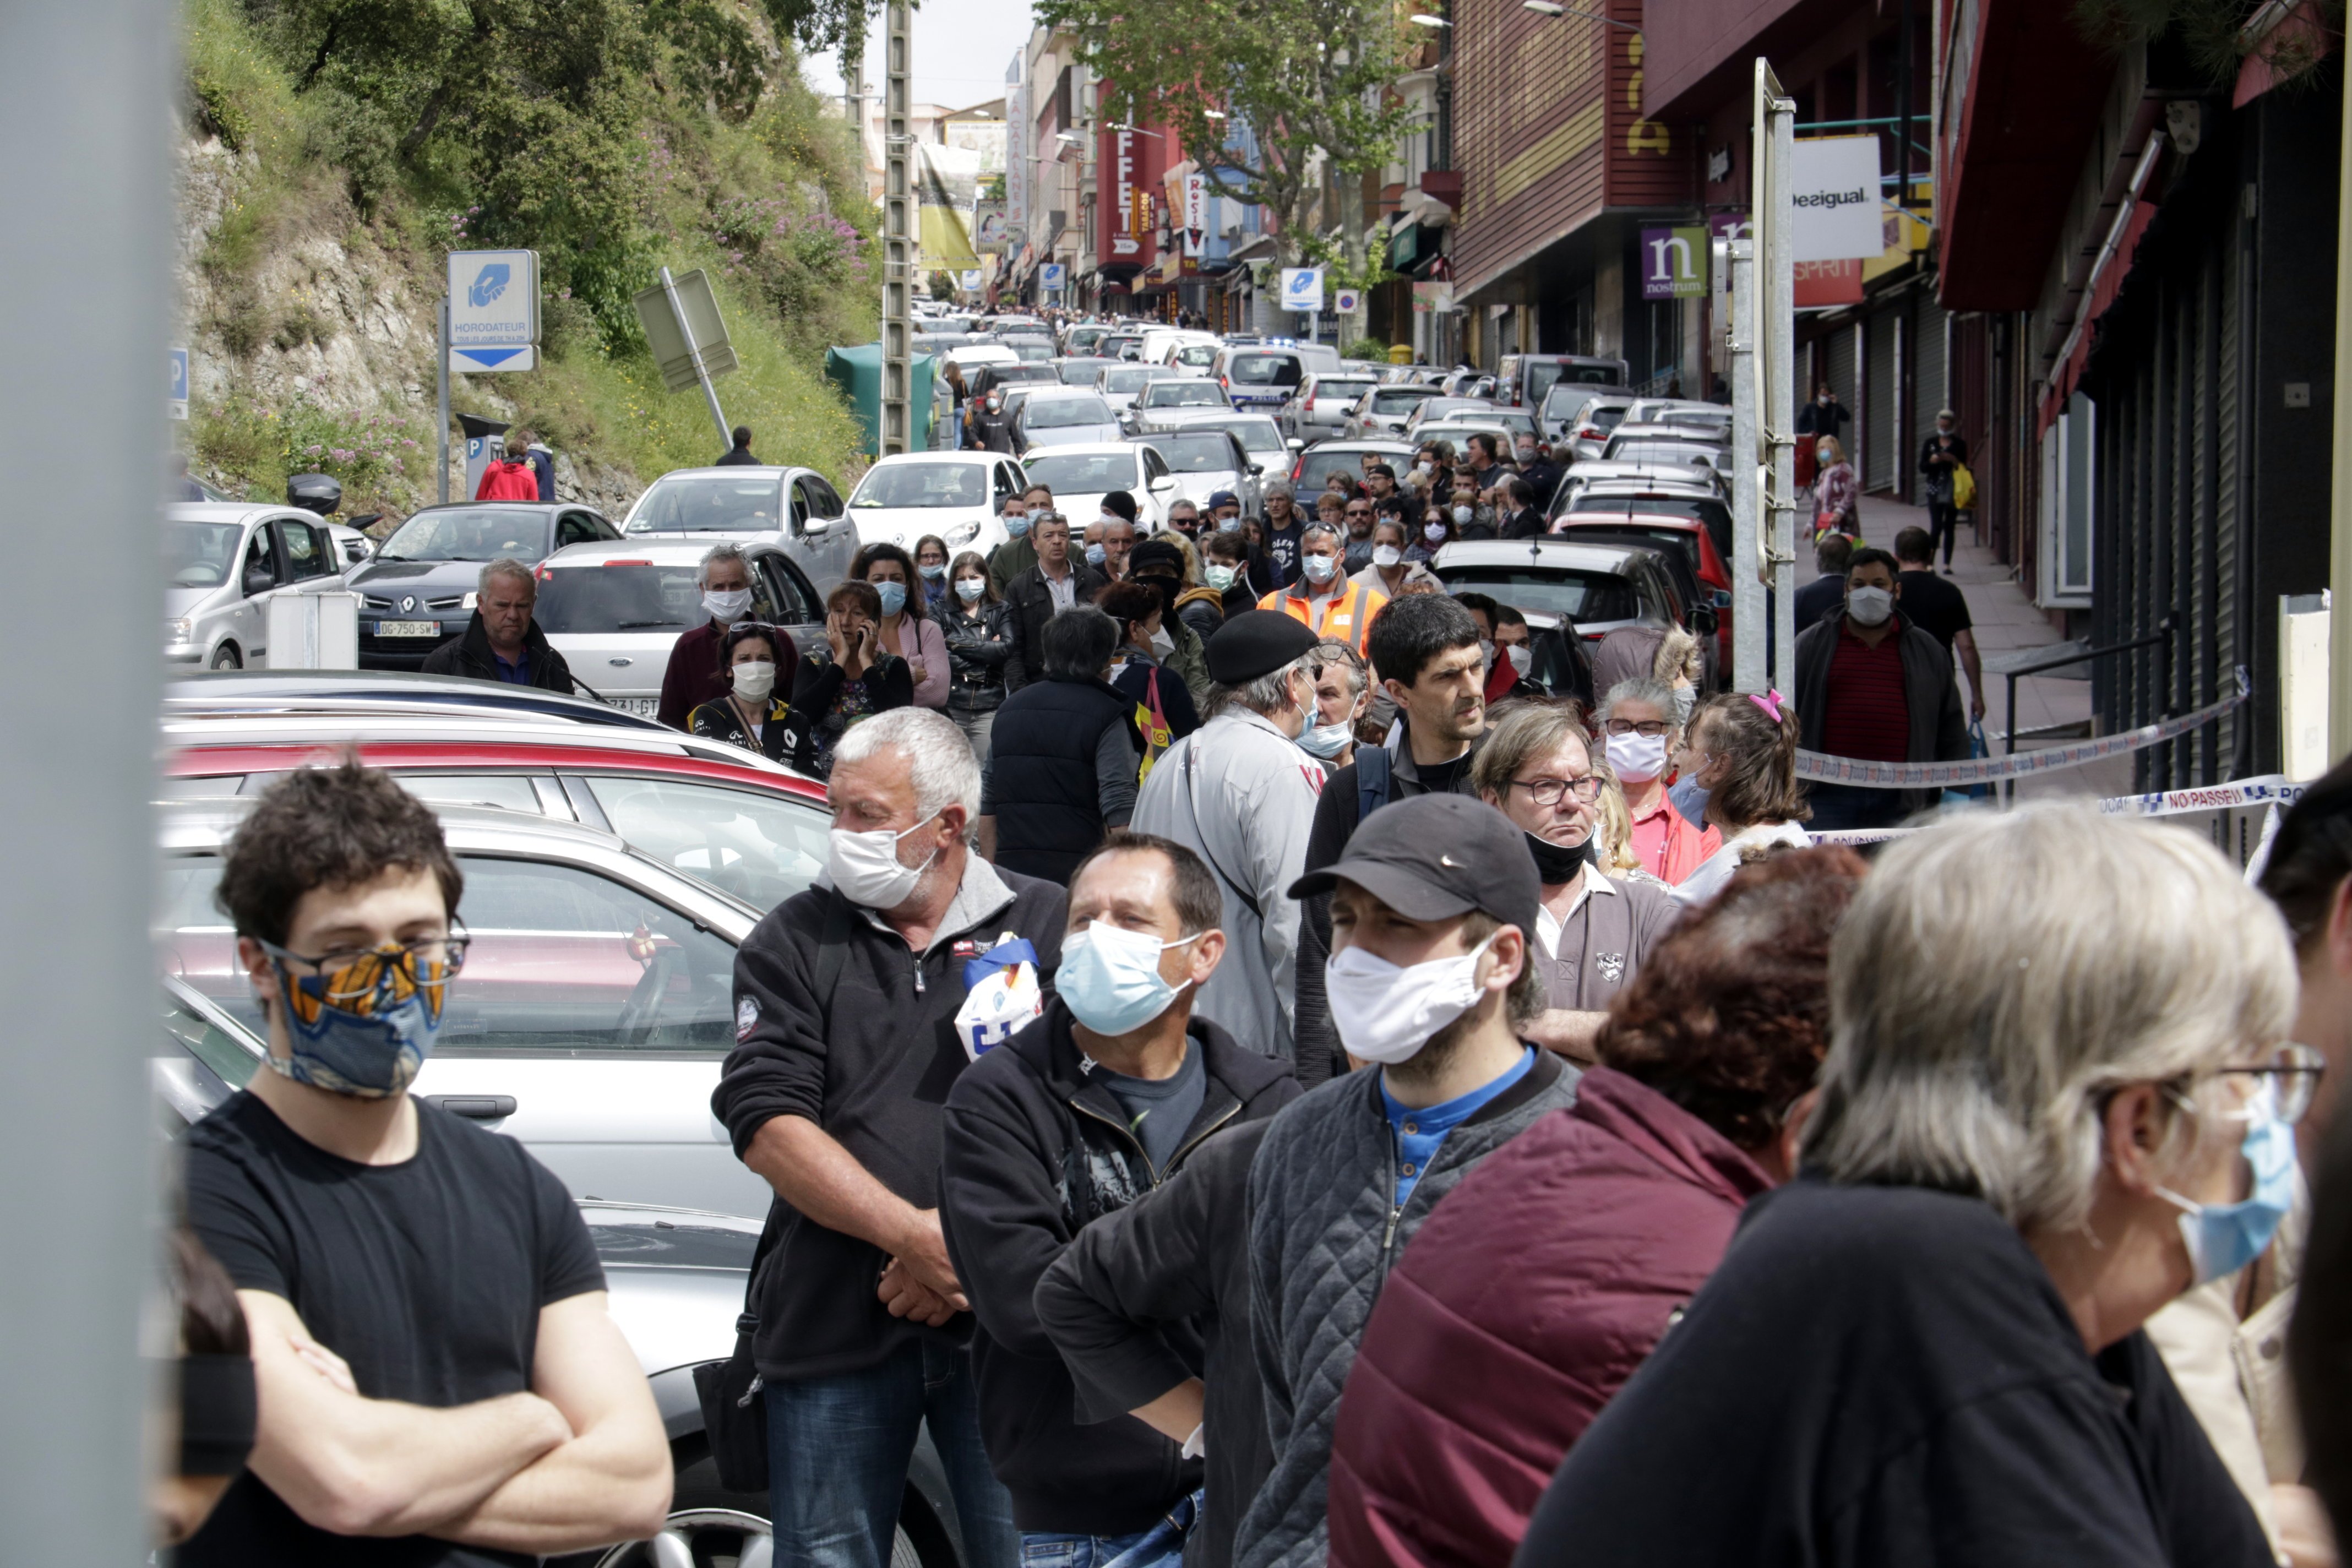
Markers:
(1373, 777)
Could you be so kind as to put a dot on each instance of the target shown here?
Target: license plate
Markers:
(642, 707)
(408, 628)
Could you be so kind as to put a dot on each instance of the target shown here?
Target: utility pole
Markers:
(441, 378)
(1774, 288)
(898, 236)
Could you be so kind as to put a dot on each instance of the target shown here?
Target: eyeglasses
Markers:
(1549, 792)
(1650, 729)
(429, 961)
(2291, 1076)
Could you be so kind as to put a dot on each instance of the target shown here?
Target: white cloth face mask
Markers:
(1385, 1011)
(866, 869)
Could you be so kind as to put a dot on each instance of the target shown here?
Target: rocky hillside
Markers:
(326, 170)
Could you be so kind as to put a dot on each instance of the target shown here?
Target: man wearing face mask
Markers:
(1019, 552)
(1226, 566)
(1239, 793)
(1076, 1117)
(1341, 695)
(1536, 467)
(846, 998)
(433, 1361)
(695, 674)
(1871, 685)
(1432, 908)
(1323, 600)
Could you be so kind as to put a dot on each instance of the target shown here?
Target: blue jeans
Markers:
(1162, 1546)
(838, 1449)
(1840, 806)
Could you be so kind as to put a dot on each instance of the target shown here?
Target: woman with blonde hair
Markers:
(1742, 751)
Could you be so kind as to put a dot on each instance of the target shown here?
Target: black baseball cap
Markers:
(1433, 857)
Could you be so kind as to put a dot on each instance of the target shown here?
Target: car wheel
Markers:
(227, 658)
(723, 1538)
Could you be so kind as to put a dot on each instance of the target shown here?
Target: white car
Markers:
(956, 495)
(1080, 476)
(795, 508)
(1320, 406)
(1120, 383)
(1260, 437)
(1383, 410)
(222, 563)
(1061, 415)
(1178, 396)
(1204, 462)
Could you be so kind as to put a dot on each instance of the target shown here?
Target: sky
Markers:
(962, 50)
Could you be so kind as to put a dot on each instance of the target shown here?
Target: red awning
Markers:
(2106, 284)
(2288, 47)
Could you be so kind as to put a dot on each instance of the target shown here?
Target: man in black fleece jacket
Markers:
(846, 999)
(1075, 1118)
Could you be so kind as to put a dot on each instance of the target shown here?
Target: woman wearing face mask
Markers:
(853, 677)
(931, 565)
(903, 627)
(1835, 492)
(1592, 931)
(1136, 663)
(1471, 511)
(1436, 528)
(1385, 575)
(1639, 733)
(1742, 751)
(2025, 1144)
(978, 629)
(752, 712)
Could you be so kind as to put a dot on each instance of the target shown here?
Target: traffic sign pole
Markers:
(441, 360)
(710, 393)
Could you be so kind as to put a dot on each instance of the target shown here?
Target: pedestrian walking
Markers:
(739, 455)
(1740, 754)
(846, 1044)
(905, 626)
(1823, 416)
(1074, 1119)
(1161, 705)
(435, 1367)
(978, 630)
(1321, 598)
(1054, 585)
(1871, 685)
(1240, 794)
(1541, 467)
(1936, 606)
(502, 641)
(1342, 695)
(1063, 754)
(1441, 719)
(541, 460)
(696, 673)
(852, 678)
(1826, 592)
(1604, 1219)
(1928, 1351)
(751, 715)
(506, 479)
(1593, 932)
(1837, 492)
(1432, 908)
(1942, 456)
(931, 566)
(1639, 734)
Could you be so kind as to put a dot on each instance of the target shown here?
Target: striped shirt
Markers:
(1868, 715)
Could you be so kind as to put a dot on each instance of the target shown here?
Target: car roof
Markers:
(261, 691)
(228, 511)
(208, 822)
(1361, 444)
(542, 506)
(1048, 391)
(653, 549)
(1079, 449)
(1545, 551)
(1662, 519)
(916, 459)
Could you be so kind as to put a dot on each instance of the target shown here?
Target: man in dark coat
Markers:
(1056, 583)
(739, 454)
(1873, 685)
(694, 676)
(502, 642)
(1063, 755)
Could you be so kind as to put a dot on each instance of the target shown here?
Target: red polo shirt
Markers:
(1668, 846)
(1867, 715)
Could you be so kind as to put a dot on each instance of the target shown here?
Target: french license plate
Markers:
(408, 628)
(642, 707)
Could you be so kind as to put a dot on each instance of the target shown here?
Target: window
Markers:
(709, 504)
(1184, 393)
(1400, 399)
(1580, 595)
(2070, 450)
(304, 556)
(578, 528)
(476, 533)
(790, 602)
(799, 505)
(924, 485)
(1007, 479)
(823, 499)
(1264, 369)
(760, 848)
(1062, 413)
(257, 558)
(1199, 452)
(1083, 473)
(197, 555)
(618, 598)
(507, 792)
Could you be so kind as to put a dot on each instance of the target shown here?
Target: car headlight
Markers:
(470, 601)
(181, 630)
(963, 534)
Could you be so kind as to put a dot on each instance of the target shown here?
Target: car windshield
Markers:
(1081, 473)
(1586, 412)
(201, 554)
(1542, 376)
(1259, 435)
(923, 484)
(1400, 399)
(1060, 413)
(1555, 591)
(474, 534)
(1264, 369)
(1715, 426)
(709, 503)
(1081, 372)
(1185, 392)
(1340, 391)
(1127, 378)
(1198, 452)
(1317, 464)
(1033, 351)
(1198, 355)
(1714, 514)
(626, 597)
(1517, 421)
(1659, 453)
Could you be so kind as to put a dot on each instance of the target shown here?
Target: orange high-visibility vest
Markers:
(1347, 616)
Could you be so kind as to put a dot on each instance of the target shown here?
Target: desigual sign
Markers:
(1835, 190)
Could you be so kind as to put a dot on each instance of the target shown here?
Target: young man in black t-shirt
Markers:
(439, 1381)
(1938, 606)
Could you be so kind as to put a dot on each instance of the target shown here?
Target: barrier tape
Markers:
(2273, 790)
(1822, 768)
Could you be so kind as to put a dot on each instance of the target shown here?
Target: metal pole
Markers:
(898, 237)
(1776, 288)
(441, 375)
(685, 330)
(91, 221)
(1748, 519)
(2339, 534)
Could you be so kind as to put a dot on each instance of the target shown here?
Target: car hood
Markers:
(675, 1317)
(180, 602)
(380, 576)
(1073, 436)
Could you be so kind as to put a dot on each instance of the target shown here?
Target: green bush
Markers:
(1365, 347)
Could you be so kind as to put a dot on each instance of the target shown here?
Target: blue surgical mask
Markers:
(934, 571)
(1110, 977)
(894, 596)
(1326, 740)
(1229, 526)
(1016, 525)
(1095, 554)
(363, 1030)
(2224, 1237)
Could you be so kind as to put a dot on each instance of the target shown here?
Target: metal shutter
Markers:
(1837, 369)
(1929, 391)
(1880, 439)
(2228, 512)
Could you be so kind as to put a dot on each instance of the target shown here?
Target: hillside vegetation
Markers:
(336, 149)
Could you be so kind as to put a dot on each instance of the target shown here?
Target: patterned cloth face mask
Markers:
(363, 1023)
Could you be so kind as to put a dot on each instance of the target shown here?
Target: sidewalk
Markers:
(2007, 624)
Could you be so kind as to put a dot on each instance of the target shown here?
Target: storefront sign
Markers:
(1673, 263)
(1834, 192)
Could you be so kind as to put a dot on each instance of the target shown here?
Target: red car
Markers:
(1687, 537)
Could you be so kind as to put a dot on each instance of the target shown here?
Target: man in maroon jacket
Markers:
(694, 677)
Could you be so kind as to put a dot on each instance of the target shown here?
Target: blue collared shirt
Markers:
(515, 674)
(1420, 1131)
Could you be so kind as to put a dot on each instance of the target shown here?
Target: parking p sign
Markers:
(1302, 288)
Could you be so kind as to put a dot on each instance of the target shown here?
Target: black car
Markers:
(417, 591)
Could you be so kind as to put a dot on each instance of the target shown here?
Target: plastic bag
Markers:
(1002, 995)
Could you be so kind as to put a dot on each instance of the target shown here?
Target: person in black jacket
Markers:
(1056, 583)
(846, 1046)
(1076, 1117)
(1062, 757)
(1144, 642)
(1524, 522)
(978, 626)
(739, 454)
(1940, 455)
(751, 715)
(859, 678)
(502, 642)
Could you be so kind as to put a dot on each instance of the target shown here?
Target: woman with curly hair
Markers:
(1540, 1285)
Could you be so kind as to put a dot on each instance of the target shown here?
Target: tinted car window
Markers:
(1127, 378)
(304, 557)
(1198, 452)
(1540, 377)
(1184, 393)
(1255, 435)
(603, 599)
(1081, 372)
(1400, 399)
(1061, 413)
(760, 847)
(1555, 591)
(1713, 513)
(710, 503)
(782, 597)
(474, 534)
(508, 792)
(1078, 473)
(1264, 369)
(1318, 464)
(924, 484)
(1663, 454)
(199, 554)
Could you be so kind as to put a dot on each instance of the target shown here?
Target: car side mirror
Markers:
(1723, 598)
(1163, 485)
(258, 581)
(1702, 621)
(1295, 445)
(815, 525)
(1257, 467)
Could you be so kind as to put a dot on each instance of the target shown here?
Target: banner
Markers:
(947, 180)
(1833, 188)
(1673, 263)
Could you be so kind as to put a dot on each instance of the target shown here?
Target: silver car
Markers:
(1122, 384)
(1382, 411)
(1207, 461)
(1320, 406)
(1174, 397)
(222, 563)
(1582, 418)
(796, 509)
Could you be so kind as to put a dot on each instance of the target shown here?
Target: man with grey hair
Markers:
(848, 1031)
(1323, 599)
(501, 642)
(696, 674)
(1239, 793)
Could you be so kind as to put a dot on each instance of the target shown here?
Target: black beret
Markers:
(1118, 503)
(1256, 643)
(1155, 552)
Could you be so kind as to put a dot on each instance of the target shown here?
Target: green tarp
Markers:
(858, 372)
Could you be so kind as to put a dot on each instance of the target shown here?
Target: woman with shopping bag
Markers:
(1943, 463)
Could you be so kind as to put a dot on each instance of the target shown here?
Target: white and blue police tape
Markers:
(2272, 790)
(1820, 769)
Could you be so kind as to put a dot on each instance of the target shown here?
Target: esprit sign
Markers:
(1833, 193)
(1133, 165)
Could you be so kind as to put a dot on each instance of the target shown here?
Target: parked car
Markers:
(1083, 338)
(1314, 466)
(1121, 383)
(1260, 437)
(985, 396)
(1126, 343)
(1524, 381)
(1701, 574)
(1080, 474)
(1320, 406)
(222, 563)
(418, 592)
(1583, 419)
(1204, 462)
(1260, 376)
(795, 508)
(276, 693)
(1664, 446)
(1598, 587)
(1464, 381)
(1058, 415)
(1682, 413)
(1173, 394)
(1432, 410)
(1635, 498)
(1079, 370)
(1622, 478)
(1383, 410)
(956, 495)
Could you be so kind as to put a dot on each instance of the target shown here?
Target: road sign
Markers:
(1050, 275)
(1347, 302)
(668, 343)
(493, 309)
(1302, 288)
(179, 384)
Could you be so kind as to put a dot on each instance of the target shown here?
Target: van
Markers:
(1522, 380)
